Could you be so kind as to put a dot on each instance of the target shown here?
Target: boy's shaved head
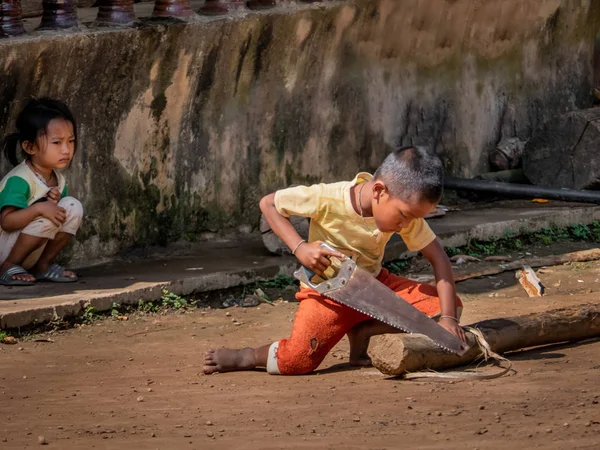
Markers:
(412, 173)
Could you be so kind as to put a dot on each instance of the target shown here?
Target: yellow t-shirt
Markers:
(334, 221)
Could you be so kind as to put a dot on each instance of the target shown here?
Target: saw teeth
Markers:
(404, 329)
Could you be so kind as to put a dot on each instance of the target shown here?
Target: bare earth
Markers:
(137, 384)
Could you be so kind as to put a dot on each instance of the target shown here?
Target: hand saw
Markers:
(358, 289)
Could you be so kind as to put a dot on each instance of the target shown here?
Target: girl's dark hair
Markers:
(33, 122)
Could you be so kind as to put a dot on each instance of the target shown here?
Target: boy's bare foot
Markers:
(360, 360)
(359, 344)
(228, 360)
(360, 336)
(19, 277)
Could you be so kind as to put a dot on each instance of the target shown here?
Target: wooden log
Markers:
(542, 261)
(397, 354)
(563, 152)
(551, 260)
(11, 18)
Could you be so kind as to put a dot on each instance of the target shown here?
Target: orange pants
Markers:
(321, 323)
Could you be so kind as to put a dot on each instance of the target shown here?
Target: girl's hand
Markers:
(453, 327)
(314, 257)
(54, 195)
(52, 212)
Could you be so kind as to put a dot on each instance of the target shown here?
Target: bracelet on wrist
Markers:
(298, 246)
(450, 317)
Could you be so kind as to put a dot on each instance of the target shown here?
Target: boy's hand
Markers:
(453, 327)
(314, 257)
(52, 212)
(54, 195)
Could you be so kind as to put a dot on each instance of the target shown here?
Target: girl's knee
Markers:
(73, 207)
(42, 228)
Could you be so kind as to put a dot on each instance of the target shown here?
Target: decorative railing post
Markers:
(11, 18)
(216, 7)
(172, 8)
(115, 12)
(58, 14)
(261, 4)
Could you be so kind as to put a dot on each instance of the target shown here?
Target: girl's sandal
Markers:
(55, 274)
(7, 279)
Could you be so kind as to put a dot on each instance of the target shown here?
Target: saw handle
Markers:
(305, 275)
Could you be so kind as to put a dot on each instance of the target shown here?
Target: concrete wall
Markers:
(183, 127)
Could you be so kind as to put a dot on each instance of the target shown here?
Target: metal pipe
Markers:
(522, 190)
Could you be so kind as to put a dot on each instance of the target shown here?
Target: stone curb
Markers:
(54, 308)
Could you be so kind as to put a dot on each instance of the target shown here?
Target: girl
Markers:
(37, 218)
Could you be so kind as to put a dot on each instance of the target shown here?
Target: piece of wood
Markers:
(460, 259)
(562, 153)
(397, 354)
(551, 260)
(530, 282)
(497, 258)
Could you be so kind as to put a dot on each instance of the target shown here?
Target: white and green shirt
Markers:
(21, 187)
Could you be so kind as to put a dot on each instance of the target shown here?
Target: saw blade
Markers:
(358, 289)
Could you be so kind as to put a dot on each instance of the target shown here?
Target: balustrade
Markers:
(115, 12)
(58, 14)
(172, 8)
(11, 18)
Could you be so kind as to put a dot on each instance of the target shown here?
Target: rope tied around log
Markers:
(486, 353)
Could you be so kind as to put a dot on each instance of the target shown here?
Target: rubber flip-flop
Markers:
(7, 279)
(55, 274)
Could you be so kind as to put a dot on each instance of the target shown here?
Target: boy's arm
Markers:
(310, 255)
(442, 268)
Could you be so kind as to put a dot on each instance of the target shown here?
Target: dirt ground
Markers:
(138, 384)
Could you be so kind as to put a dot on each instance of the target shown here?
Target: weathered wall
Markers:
(184, 127)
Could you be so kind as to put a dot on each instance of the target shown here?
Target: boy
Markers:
(358, 218)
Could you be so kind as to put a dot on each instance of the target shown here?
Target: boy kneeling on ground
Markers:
(357, 218)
